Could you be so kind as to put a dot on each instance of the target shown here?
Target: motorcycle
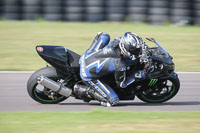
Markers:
(55, 83)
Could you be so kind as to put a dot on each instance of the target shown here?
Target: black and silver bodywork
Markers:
(56, 83)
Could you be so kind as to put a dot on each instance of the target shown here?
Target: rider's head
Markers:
(130, 45)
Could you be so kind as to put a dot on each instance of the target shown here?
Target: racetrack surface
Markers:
(14, 97)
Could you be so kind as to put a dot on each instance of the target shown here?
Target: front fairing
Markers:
(167, 60)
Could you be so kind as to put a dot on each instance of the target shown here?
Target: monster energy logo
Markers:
(152, 82)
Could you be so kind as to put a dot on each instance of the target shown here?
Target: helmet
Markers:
(130, 45)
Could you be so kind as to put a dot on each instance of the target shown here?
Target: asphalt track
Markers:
(14, 97)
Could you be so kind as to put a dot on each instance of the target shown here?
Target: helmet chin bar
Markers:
(123, 53)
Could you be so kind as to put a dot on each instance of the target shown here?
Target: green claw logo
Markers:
(152, 82)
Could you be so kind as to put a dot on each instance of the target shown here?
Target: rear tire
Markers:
(39, 95)
(165, 93)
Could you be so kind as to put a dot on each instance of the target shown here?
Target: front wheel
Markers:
(162, 91)
(40, 93)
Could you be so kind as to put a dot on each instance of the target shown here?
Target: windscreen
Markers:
(157, 52)
(160, 51)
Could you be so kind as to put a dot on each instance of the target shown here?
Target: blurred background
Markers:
(150, 11)
(27, 23)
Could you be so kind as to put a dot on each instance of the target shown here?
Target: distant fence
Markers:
(149, 11)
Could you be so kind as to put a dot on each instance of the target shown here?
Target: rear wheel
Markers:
(162, 91)
(40, 93)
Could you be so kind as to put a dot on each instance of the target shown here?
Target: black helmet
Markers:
(130, 45)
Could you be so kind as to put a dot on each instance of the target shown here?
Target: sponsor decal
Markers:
(40, 49)
(153, 82)
(97, 65)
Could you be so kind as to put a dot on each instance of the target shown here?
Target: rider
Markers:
(103, 58)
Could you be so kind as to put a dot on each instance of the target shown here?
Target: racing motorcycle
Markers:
(55, 83)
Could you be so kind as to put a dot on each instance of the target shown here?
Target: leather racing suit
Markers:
(103, 58)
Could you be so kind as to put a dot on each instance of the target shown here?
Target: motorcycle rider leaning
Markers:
(103, 58)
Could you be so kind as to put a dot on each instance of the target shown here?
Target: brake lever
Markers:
(151, 39)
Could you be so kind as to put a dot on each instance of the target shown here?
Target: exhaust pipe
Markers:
(61, 89)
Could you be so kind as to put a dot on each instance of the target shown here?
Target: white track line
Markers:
(188, 72)
(34, 71)
(16, 71)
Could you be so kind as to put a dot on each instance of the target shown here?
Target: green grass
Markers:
(18, 41)
(100, 121)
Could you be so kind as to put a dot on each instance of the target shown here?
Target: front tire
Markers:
(40, 93)
(163, 91)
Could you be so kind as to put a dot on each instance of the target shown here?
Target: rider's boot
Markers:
(87, 94)
(100, 98)
(106, 104)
